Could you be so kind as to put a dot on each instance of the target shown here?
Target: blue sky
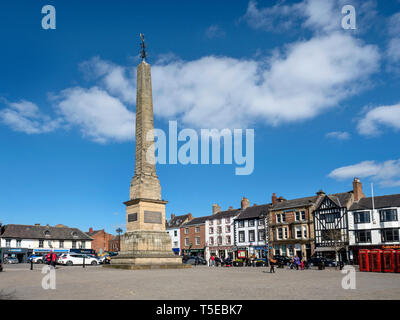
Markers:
(323, 101)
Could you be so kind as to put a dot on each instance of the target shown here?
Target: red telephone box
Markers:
(398, 260)
(363, 258)
(375, 260)
(389, 261)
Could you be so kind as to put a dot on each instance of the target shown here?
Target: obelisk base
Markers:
(146, 250)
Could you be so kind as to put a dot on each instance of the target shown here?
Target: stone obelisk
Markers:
(146, 242)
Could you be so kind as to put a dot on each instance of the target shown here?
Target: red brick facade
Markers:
(101, 240)
(193, 238)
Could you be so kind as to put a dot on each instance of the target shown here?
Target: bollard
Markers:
(31, 264)
(83, 261)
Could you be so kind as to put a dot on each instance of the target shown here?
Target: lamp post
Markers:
(81, 247)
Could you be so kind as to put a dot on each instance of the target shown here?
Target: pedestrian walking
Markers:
(48, 258)
(297, 263)
(213, 261)
(53, 259)
(272, 265)
(302, 264)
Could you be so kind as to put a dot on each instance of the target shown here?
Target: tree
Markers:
(337, 241)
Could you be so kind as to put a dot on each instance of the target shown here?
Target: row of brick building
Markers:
(334, 225)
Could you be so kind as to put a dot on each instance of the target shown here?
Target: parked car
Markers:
(70, 259)
(35, 258)
(104, 259)
(282, 260)
(315, 261)
(11, 260)
(227, 262)
(196, 260)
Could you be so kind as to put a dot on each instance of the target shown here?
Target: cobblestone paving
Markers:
(203, 283)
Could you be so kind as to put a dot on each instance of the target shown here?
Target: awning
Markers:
(176, 250)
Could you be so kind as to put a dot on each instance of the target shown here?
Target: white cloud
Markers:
(225, 92)
(214, 31)
(338, 135)
(100, 116)
(386, 174)
(380, 116)
(25, 116)
(116, 79)
(316, 15)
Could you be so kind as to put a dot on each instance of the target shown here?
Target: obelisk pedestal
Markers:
(146, 244)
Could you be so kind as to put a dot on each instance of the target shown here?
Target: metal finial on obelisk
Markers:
(143, 54)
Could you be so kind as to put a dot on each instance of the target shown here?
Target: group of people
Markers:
(51, 259)
(295, 263)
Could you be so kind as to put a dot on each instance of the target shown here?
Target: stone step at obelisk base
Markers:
(146, 244)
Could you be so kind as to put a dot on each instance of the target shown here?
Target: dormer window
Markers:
(74, 234)
(47, 233)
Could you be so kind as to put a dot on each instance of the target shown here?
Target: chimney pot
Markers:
(357, 190)
(274, 198)
(215, 208)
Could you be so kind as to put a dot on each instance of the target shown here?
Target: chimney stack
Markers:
(320, 193)
(274, 199)
(90, 230)
(190, 217)
(230, 208)
(172, 216)
(281, 199)
(357, 190)
(215, 208)
(245, 203)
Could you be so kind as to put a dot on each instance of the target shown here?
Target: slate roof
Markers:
(177, 221)
(224, 214)
(341, 199)
(295, 203)
(254, 212)
(18, 231)
(195, 221)
(379, 202)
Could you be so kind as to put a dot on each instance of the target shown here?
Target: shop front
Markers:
(259, 251)
(20, 253)
(193, 252)
(222, 252)
(240, 252)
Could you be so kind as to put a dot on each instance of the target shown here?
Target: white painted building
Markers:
(20, 241)
(173, 228)
(219, 233)
(374, 224)
(251, 233)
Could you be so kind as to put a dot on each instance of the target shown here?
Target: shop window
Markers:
(388, 215)
(362, 217)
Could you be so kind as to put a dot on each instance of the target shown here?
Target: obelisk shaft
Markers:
(145, 183)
